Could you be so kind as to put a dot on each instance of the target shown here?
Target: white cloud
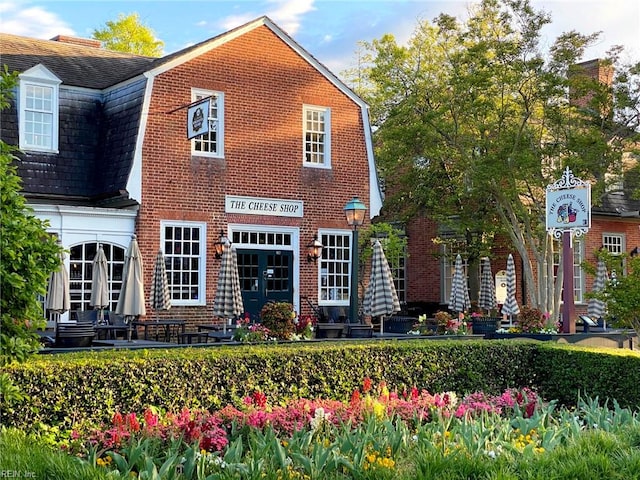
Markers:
(35, 22)
(286, 13)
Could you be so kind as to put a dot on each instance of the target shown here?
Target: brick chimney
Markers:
(83, 42)
(596, 69)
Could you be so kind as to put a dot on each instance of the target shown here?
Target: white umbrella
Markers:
(58, 297)
(487, 298)
(160, 298)
(380, 296)
(131, 299)
(510, 306)
(227, 302)
(99, 284)
(459, 298)
(596, 306)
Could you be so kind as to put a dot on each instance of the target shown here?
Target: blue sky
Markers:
(328, 29)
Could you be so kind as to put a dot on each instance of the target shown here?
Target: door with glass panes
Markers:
(265, 275)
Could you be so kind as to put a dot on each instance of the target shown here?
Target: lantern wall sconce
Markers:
(220, 244)
(314, 250)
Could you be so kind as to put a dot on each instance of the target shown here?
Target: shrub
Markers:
(278, 318)
(531, 320)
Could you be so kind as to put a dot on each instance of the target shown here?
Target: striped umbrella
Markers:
(596, 306)
(227, 302)
(459, 299)
(131, 299)
(58, 297)
(159, 298)
(99, 284)
(487, 298)
(380, 296)
(510, 306)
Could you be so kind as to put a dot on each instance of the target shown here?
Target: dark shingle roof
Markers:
(76, 65)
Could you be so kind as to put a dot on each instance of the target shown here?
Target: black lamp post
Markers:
(354, 211)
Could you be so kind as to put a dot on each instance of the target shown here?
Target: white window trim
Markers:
(332, 303)
(195, 92)
(327, 136)
(39, 76)
(621, 236)
(202, 277)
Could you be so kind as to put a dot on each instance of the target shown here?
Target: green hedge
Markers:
(66, 388)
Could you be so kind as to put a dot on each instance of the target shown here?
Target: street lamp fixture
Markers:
(220, 244)
(314, 250)
(354, 210)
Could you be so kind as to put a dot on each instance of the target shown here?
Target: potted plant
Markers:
(481, 325)
(278, 318)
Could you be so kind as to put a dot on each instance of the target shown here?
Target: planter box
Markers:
(329, 330)
(534, 336)
(398, 324)
(359, 331)
(485, 325)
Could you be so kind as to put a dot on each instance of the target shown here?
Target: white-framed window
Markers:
(81, 273)
(210, 144)
(38, 110)
(615, 244)
(578, 273)
(334, 268)
(184, 245)
(317, 136)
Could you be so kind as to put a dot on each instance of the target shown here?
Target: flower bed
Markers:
(379, 433)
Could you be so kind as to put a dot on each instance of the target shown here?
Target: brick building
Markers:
(615, 226)
(105, 154)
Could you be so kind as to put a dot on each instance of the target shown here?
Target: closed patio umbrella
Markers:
(58, 297)
(510, 306)
(380, 296)
(487, 298)
(227, 302)
(99, 284)
(131, 299)
(596, 306)
(160, 298)
(459, 298)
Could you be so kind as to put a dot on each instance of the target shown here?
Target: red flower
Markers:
(366, 385)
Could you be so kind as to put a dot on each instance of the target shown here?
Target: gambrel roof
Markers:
(102, 107)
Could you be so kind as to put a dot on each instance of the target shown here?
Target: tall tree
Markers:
(28, 255)
(474, 120)
(128, 34)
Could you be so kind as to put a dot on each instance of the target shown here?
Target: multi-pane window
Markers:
(614, 243)
(81, 273)
(400, 278)
(335, 268)
(212, 143)
(39, 110)
(184, 250)
(578, 274)
(317, 136)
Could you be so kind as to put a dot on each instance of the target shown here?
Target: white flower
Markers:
(319, 417)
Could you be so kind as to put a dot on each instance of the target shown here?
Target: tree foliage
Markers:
(474, 119)
(128, 34)
(28, 256)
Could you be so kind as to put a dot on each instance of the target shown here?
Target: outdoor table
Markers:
(168, 329)
(108, 332)
(216, 328)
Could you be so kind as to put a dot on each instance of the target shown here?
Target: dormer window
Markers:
(38, 110)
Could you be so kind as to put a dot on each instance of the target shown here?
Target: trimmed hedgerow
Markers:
(69, 388)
